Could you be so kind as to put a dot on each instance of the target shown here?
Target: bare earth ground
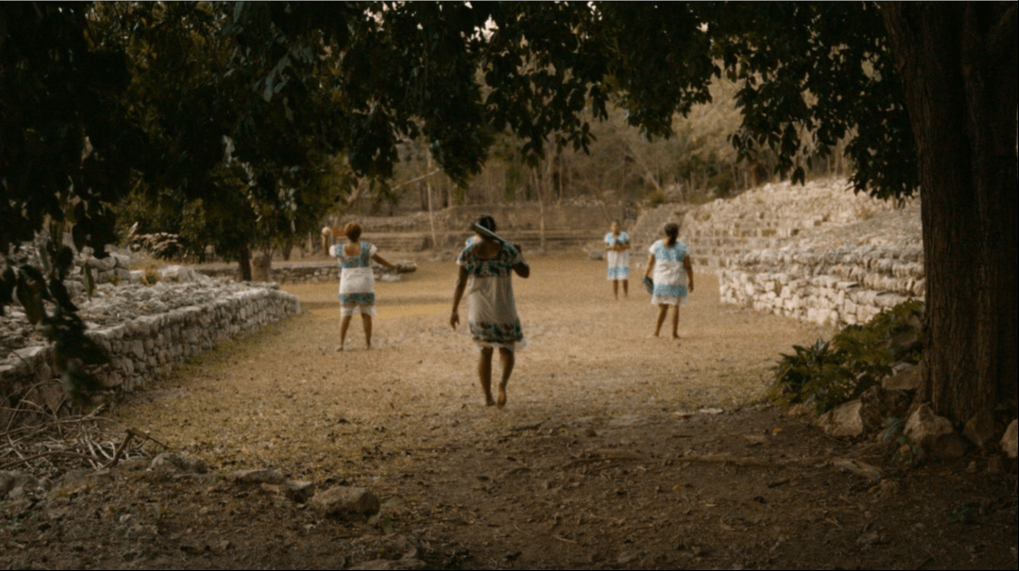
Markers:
(614, 451)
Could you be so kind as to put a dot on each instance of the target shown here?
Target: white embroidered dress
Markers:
(357, 281)
(491, 309)
(619, 262)
(670, 274)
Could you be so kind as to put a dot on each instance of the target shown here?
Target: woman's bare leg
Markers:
(344, 325)
(615, 288)
(508, 360)
(675, 322)
(485, 374)
(367, 320)
(626, 289)
(663, 311)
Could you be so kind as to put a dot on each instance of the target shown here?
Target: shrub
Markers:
(657, 198)
(831, 373)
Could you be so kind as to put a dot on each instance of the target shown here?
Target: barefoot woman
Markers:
(670, 262)
(486, 275)
(617, 246)
(357, 281)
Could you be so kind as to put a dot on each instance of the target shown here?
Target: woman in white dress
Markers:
(673, 276)
(486, 275)
(617, 244)
(357, 281)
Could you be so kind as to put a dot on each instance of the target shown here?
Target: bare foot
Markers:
(675, 336)
(489, 401)
(339, 349)
(502, 398)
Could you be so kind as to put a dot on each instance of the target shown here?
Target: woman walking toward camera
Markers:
(357, 281)
(673, 276)
(486, 276)
(617, 246)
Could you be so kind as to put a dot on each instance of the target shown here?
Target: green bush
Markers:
(831, 373)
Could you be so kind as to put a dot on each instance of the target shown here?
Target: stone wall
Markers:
(818, 252)
(772, 216)
(145, 330)
(846, 286)
(327, 271)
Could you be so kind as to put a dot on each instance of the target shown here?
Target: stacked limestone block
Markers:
(315, 272)
(766, 218)
(838, 274)
(146, 330)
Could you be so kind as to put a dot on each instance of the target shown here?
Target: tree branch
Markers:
(418, 179)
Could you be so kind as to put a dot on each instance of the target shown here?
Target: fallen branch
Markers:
(120, 450)
(145, 436)
(51, 454)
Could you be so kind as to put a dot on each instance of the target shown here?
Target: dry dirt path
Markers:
(611, 453)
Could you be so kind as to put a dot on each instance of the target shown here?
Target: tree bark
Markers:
(960, 78)
(244, 260)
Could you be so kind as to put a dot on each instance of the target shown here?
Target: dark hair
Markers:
(672, 231)
(352, 231)
(486, 222)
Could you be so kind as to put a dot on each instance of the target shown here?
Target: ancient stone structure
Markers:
(312, 272)
(817, 252)
(145, 330)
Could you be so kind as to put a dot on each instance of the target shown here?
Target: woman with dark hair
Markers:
(673, 271)
(357, 281)
(486, 276)
(617, 245)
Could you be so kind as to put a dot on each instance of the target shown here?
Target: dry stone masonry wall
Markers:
(145, 330)
(817, 252)
(314, 272)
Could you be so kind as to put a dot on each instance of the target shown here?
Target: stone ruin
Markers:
(817, 253)
(145, 329)
(327, 271)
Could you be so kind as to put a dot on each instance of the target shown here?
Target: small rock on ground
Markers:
(299, 492)
(909, 379)
(341, 502)
(982, 430)
(271, 477)
(179, 463)
(934, 434)
(845, 421)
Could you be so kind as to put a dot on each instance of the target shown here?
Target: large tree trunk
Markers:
(959, 64)
(244, 260)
